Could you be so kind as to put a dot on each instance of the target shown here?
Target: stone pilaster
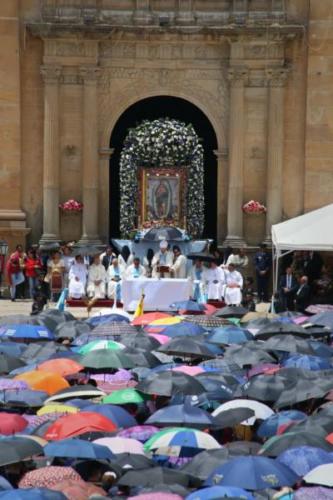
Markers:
(222, 193)
(104, 192)
(90, 173)
(276, 79)
(185, 14)
(51, 76)
(142, 14)
(238, 77)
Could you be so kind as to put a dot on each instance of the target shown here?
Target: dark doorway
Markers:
(172, 107)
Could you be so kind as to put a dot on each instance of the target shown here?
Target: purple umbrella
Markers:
(139, 432)
(121, 375)
(315, 492)
(10, 384)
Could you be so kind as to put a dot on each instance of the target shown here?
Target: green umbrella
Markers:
(103, 359)
(124, 396)
(100, 344)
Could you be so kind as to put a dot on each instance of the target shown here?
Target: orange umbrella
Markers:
(79, 423)
(147, 318)
(61, 366)
(44, 381)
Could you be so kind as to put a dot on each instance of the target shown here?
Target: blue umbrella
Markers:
(4, 484)
(25, 331)
(23, 369)
(78, 448)
(117, 414)
(271, 425)
(229, 335)
(252, 473)
(304, 458)
(25, 397)
(322, 350)
(182, 414)
(79, 403)
(306, 362)
(323, 319)
(12, 348)
(218, 492)
(187, 305)
(107, 318)
(32, 494)
(183, 329)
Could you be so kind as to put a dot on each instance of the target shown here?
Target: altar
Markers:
(159, 293)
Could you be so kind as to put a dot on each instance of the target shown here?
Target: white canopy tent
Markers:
(311, 231)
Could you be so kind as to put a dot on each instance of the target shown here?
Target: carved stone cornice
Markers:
(277, 77)
(71, 77)
(238, 76)
(257, 78)
(51, 74)
(90, 74)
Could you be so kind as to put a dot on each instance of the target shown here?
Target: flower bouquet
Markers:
(71, 206)
(254, 208)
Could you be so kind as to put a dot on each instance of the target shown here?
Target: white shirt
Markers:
(132, 272)
(162, 259)
(179, 267)
(96, 273)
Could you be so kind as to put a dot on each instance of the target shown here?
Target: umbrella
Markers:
(263, 368)
(79, 423)
(140, 341)
(304, 458)
(261, 411)
(169, 383)
(183, 329)
(40, 352)
(139, 432)
(153, 476)
(217, 389)
(231, 312)
(51, 318)
(183, 414)
(243, 447)
(9, 363)
(43, 381)
(141, 357)
(10, 423)
(264, 387)
(164, 233)
(78, 448)
(311, 493)
(205, 462)
(72, 329)
(300, 390)
(163, 322)
(229, 335)
(23, 398)
(25, 331)
(276, 327)
(322, 474)
(230, 418)
(189, 370)
(178, 441)
(48, 477)
(100, 344)
(156, 494)
(114, 329)
(185, 346)
(101, 359)
(79, 391)
(32, 494)
(10, 384)
(121, 445)
(124, 396)
(187, 305)
(252, 473)
(57, 408)
(147, 318)
(18, 448)
(307, 362)
(117, 414)
(132, 461)
(206, 321)
(322, 319)
(274, 424)
(275, 445)
(80, 490)
(100, 319)
(90, 250)
(248, 354)
(218, 492)
(288, 343)
(203, 256)
(61, 366)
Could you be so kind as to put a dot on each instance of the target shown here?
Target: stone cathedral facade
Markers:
(261, 71)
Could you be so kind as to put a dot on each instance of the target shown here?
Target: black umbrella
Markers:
(53, 317)
(16, 449)
(231, 312)
(223, 378)
(88, 250)
(230, 418)
(203, 256)
(314, 421)
(9, 363)
(132, 461)
(323, 319)
(301, 390)
(72, 329)
(153, 476)
(217, 390)
(163, 233)
(225, 366)
(76, 391)
(114, 329)
(206, 320)
(277, 327)
(36, 352)
(205, 462)
(169, 383)
(288, 343)
(140, 341)
(243, 447)
(264, 387)
(278, 444)
(250, 353)
(185, 346)
(141, 357)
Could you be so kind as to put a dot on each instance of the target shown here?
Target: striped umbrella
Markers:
(180, 441)
(114, 329)
(206, 321)
(101, 344)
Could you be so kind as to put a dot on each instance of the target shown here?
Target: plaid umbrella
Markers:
(114, 329)
(47, 477)
(206, 321)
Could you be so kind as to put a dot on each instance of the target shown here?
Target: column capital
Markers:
(51, 74)
(238, 76)
(277, 77)
(106, 153)
(221, 154)
(90, 74)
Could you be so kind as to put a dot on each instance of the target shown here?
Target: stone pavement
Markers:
(24, 307)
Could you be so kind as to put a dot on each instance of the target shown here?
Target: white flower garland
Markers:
(162, 143)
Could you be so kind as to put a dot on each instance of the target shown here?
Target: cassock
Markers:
(161, 259)
(215, 279)
(77, 280)
(179, 267)
(233, 295)
(114, 277)
(96, 273)
(134, 272)
(198, 277)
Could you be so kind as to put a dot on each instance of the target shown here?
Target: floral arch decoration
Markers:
(162, 143)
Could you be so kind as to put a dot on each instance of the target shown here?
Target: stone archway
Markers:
(172, 107)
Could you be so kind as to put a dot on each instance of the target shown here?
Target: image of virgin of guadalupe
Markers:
(162, 200)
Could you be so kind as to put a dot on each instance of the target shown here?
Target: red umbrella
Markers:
(79, 423)
(80, 490)
(147, 318)
(47, 477)
(10, 423)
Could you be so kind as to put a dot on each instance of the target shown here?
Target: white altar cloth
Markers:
(159, 293)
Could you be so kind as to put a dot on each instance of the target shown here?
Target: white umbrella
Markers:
(261, 411)
(323, 475)
(121, 445)
(111, 310)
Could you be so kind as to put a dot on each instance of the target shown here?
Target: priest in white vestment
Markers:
(215, 280)
(198, 277)
(135, 270)
(77, 277)
(162, 258)
(96, 279)
(178, 268)
(114, 276)
(233, 286)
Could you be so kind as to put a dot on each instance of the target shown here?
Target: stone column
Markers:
(90, 173)
(142, 13)
(185, 13)
(222, 193)
(275, 145)
(105, 155)
(51, 76)
(238, 78)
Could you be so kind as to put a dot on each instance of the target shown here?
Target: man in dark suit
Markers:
(302, 295)
(312, 265)
(108, 257)
(263, 264)
(287, 289)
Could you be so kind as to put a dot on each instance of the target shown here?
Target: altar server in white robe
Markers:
(178, 268)
(114, 276)
(233, 286)
(198, 277)
(162, 258)
(77, 278)
(96, 279)
(135, 270)
(215, 279)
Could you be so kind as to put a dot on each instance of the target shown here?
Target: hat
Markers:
(163, 244)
